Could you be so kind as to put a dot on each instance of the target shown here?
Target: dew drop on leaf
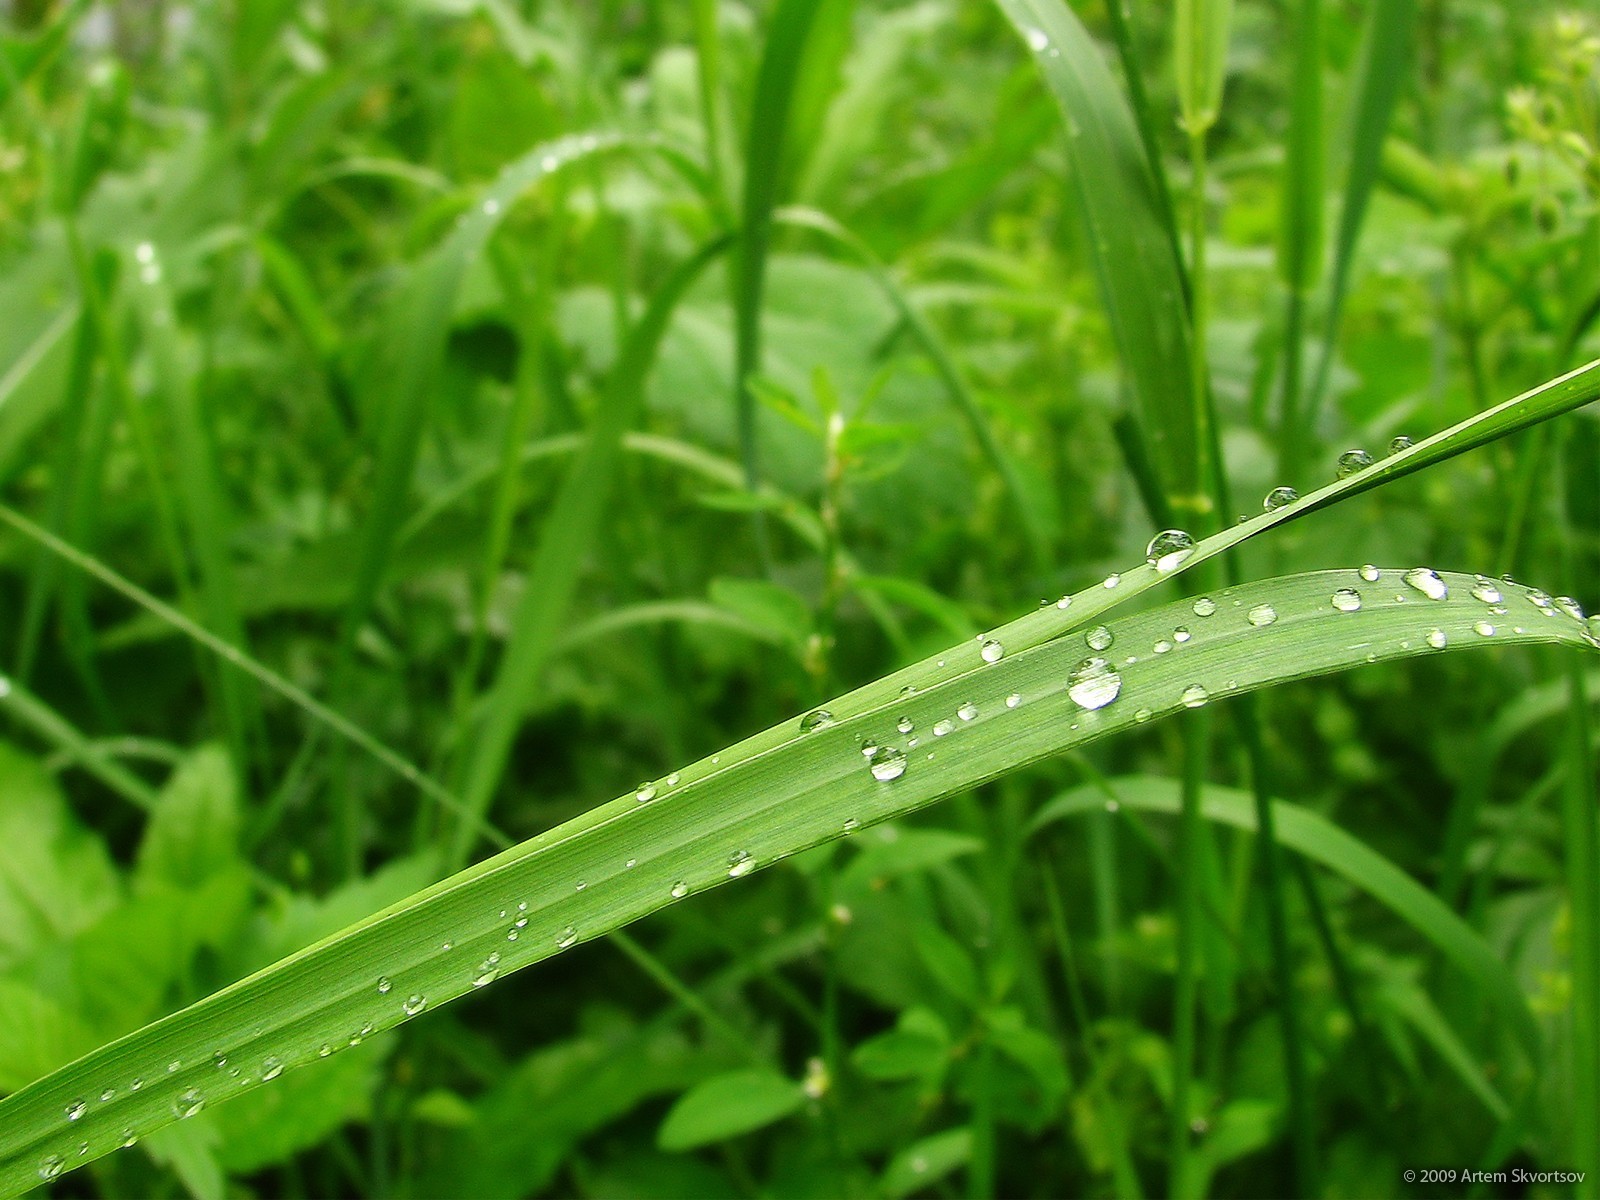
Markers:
(1261, 615)
(1570, 606)
(1278, 497)
(1438, 640)
(1427, 581)
(1111, 580)
(1180, 635)
(1486, 590)
(187, 1103)
(1099, 638)
(1352, 461)
(904, 725)
(1094, 684)
(817, 718)
(1483, 629)
(1014, 699)
(645, 792)
(50, 1166)
(851, 824)
(569, 935)
(76, 1109)
(383, 985)
(1064, 602)
(1168, 549)
(413, 1004)
(271, 1068)
(679, 890)
(967, 711)
(1194, 696)
(1162, 647)
(1400, 443)
(1346, 600)
(991, 650)
(1370, 573)
(1204, 606)
(943, 726)
(740, 863)
(889, 763)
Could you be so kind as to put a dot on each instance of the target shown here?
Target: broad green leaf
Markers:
(917, 1048)
(726, 1106)
(926, 1161)
(37, 1035)
(194, 832)
(55, 876)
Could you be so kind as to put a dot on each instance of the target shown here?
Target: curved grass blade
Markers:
(564, 540)
(794, 786)
(1128, 238)
(1324, 842)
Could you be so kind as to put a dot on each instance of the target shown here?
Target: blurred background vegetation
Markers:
(269, 352)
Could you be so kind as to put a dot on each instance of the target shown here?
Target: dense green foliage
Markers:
(561, 393)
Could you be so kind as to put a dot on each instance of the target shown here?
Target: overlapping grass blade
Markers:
(1128, 237)
(759, 801)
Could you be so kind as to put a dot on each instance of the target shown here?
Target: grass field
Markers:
(994, 592)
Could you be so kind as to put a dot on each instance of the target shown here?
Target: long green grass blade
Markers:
(794, 786)
(1128, 239)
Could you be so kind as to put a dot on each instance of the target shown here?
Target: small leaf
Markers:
(726, 1106)
(194, 832)
(927, 1161)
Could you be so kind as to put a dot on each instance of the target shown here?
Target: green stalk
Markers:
(1300, 245)
(1581, 826)
(1190, 914)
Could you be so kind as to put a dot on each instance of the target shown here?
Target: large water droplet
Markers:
(1111, 580)
(1486, 591)
(851, 824)
(1094, 684)
(1370, 573)
(569, 936)
(889, 763)
(1427, 581)
(1038, 40)
(187, 1103)
(1194, 696)
(1099, 638)
(413, 1004)
(679, 890)
(1064, 602)
(991, 650)
(646, 792)
(1483, 629)
(51, 1166)
(1400, 443)
(817, 718)
(1541, 600)
(1438, 639)
(1162, 646)
(1181, 635)
(1347, 600)
(1278, 497)
(76, 1109)
(1352, 461)
(1168, 549)
(740, 863)
(905, 725)
(1014, 699)
(1204, 606)
(1570, 606)
(967, 711)
(943, 726)
(383, 985)
(1262, 615)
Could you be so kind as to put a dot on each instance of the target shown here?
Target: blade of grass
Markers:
(1385, 64)
(564, 539)
(1139, 279)
(770, 796)
(1580, 804)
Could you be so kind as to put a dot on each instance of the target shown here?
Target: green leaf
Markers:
(726, 1106)
(772, 608)
(1200, 60)
(37, 1035)
(194, 832)
(927, 1161)
(917, 1048)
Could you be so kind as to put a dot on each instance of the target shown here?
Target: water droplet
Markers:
(1570, 606)
(1064, 602)
(943, 726)
(1014, 699)
(520, 923)
(851, 825)
(631, 863)
(991, 650)
(1261, 615)
(491, 207)
(1438, 640)
(1204, 606)
(1427, 581)
(1099, 638)
(512, 935)
(569, 937)
(413, 1004)
(740, 863)
(817, 718)
(679, 890)
(136, 1085)
(187, 1103)
(549, 163)
(1347, 600)
(1038, 40)
(76, 1109)
(1094, 684)
(1485, 590)
(383, 985)
(108, 1095)
(1370, 573)
(50, 1166)
(646, 792)
(174, 1065)
(129, 1137)
(1194, 696)
(1168, 549)
(889, 763)
(1141, 715)
(1540, 600)
(1163, 646)
(1352, 461)
(580, 885)
(1180, 635)
(1483, 629)
(1278, 497)
(967, 711)
(1591, 631)
(1400, 443)
(488, 971)
(673, 779)
(908, 690)
(271, 1068)
(904, 724)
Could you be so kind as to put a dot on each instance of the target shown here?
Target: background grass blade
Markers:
(1128, 240)
(720, 818)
